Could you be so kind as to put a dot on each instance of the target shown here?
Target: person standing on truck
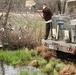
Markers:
(47, 16)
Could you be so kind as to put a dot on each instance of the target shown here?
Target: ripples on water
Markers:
(10, 70)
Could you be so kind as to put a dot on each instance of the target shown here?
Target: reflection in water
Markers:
(2, 70)
(10, 70)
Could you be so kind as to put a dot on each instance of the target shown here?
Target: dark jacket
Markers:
(47, 14)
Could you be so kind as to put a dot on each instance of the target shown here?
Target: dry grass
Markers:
(25, 30)
(68, 70)
(45, 53)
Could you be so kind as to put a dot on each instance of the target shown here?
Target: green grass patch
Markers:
(15, 57)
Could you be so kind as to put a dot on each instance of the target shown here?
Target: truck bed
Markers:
(60, 45)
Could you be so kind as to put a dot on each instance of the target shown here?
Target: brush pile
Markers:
(45, 53)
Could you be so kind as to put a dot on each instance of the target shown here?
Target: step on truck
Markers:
(63, 38)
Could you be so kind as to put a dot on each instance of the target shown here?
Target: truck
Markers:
(63, 32)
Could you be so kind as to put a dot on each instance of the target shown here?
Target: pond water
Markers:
(10, 70)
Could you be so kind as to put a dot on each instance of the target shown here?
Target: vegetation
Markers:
(18, 57)
(24, 30)
(31, 58)
(19, 5)
(25, 72)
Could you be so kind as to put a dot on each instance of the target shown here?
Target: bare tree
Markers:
(7, 13)
(5, 22)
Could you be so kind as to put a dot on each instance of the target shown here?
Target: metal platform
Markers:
(59, 45)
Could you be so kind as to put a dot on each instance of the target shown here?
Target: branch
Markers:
(7, 13)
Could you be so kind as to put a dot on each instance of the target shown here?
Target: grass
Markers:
(25, 20)
(18, 57)
(23, 57)
(25, 72)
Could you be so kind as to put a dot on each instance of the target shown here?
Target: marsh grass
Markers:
(35, 73)
(25, 72)
(19, 57)
(23, 57)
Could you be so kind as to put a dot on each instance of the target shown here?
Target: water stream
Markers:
(10, 70)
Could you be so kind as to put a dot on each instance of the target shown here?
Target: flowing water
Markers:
(10, 70)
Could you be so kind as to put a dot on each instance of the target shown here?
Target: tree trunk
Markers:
(7, 13)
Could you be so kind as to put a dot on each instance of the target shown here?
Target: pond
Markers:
(10, 70)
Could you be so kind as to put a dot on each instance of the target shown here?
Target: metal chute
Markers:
(30, 3)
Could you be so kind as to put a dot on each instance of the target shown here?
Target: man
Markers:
(47, 15)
